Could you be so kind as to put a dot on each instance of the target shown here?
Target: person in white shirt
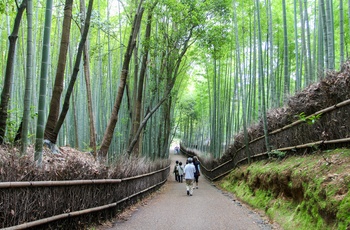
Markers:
(180, 169)
(189, 176)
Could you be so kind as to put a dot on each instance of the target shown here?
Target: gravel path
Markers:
(208, 208)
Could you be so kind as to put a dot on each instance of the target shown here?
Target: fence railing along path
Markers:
(208, 208)
(49, 201)
(333, 131)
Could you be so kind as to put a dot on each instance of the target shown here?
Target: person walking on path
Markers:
(180, 169)
(189, 176)
(176, 172)
(197, 173)
(209, 208)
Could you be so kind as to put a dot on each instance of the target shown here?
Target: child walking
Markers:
(176, 172)
(180, 169)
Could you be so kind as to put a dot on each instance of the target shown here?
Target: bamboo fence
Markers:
(227, 166)
(133, 189)
(79, 213)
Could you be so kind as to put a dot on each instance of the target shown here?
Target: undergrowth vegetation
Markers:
(298, 192)
(70, 164)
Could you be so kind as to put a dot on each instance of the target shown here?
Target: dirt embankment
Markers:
(332, 89)
(312, 191)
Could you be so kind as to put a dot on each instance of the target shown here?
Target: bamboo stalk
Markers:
(145, 190)
(326, 110)
(144, 175)
(242, 160)
(202, 166)
(223, 164)
(337, 141)
(221, 175)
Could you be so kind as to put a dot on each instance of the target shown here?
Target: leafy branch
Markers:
(310, 120)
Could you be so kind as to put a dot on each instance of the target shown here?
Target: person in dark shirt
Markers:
(197, 173)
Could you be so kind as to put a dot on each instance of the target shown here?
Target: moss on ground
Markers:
(298, 192)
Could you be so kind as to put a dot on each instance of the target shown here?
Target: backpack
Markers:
(175, 170)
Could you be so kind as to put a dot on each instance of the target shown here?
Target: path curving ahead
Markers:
(208, 208)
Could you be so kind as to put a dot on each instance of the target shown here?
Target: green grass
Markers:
(323, 177)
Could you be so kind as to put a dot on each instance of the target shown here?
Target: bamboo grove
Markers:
(115, 77)
(266, 52)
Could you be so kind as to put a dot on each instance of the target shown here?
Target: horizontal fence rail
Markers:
(78, 213)
(21, 184)
(308, 145)
(104, 194)
(336, 115)
(298, 122)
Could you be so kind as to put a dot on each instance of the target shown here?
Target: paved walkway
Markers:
(208, 208)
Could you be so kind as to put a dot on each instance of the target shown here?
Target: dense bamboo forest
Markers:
(113, 77)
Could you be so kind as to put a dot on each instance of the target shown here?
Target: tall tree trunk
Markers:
(107, 138)
(303, 43)
(243, 83)
(285, 53)
(348, 15)
(341, 24)
(86, 60)
(274, 102)
(75, 120)
(61, 67)
(43, 80)
(229, 96)
(6, 91)
(296, 40)
(261, 81)
(172, 73)
(218, 116)
(140, 85)
(74, 74)
(144, 122)
(308, 43)
(213, 137)
(320, 47)
(29, 72)
(330, 35)
(324, 23)
(254, 69)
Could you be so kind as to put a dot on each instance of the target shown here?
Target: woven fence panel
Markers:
(26, 204)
